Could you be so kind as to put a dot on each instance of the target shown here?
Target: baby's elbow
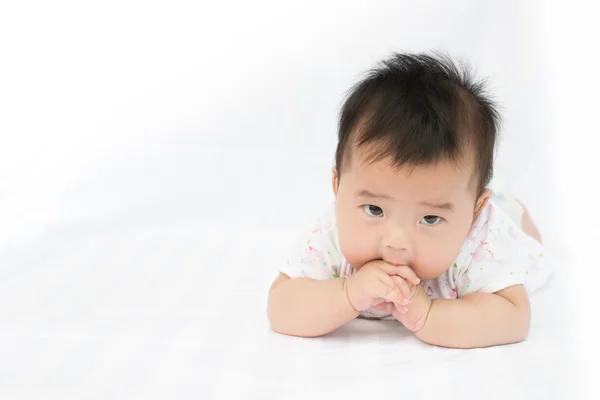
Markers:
(517, 312)
(272, 312)
(276, 313)
(521, 325)
(274, 301)
(526, 327)
(521, 335)
(276, 326)
(282, 320)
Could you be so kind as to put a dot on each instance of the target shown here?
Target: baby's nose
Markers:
(397, 239)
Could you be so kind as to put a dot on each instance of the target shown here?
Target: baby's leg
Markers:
(528, 225)
(513, 207)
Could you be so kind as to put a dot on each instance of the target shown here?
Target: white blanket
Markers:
(156, 161)
(180, 312)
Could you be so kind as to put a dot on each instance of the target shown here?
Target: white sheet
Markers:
(179, 312)
(156, 162)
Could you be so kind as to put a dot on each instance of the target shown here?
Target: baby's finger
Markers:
(385, 307)
(396, 297)
(403, 271)
(378, 301)
(393, 294)
(402, 286)
(397, 311)
(386, 279)
(382, 289)
(387, 292)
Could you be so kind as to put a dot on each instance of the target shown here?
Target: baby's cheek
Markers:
(356, 250)
(431, 264)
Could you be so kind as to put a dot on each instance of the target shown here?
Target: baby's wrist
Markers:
(347, 295)
(421, 324)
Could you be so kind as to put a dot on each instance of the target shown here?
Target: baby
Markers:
(419, 230)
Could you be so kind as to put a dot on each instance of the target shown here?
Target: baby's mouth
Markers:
(395, 264)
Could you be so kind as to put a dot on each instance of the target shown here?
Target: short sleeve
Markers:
(317, 254)
(498, 254)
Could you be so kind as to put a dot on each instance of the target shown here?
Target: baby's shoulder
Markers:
(492, 221)
(496, 254)
(326, 221)
(493, 235)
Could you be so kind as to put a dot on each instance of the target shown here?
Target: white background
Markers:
(118, 116)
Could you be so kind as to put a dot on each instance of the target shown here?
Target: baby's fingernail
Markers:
(417, 280)
(404, 301)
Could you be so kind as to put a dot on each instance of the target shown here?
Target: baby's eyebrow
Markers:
(366, 193)
(442, 206)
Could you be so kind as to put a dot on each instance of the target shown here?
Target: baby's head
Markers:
(415, 154)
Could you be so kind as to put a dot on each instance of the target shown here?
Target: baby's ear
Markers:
(334, 180)
(481, 201)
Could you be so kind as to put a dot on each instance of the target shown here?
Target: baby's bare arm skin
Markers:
(528, 225)
(478, 319)
(308, 307)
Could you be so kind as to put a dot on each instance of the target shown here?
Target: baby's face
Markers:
(417, 217)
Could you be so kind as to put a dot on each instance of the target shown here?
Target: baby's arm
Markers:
(308, 307)
(478, 319)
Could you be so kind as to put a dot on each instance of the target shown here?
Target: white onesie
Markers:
(495, 254)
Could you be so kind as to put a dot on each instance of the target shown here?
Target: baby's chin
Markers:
(429, 276)
(425, 273)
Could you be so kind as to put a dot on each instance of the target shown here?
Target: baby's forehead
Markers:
(442, 176)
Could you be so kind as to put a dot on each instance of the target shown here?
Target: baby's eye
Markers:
(373, 211)
(430, 220)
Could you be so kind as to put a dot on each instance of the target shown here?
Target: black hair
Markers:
(418, 109)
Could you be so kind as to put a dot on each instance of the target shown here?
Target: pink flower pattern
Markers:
(429, 291)
(312, 255)
(493, 254)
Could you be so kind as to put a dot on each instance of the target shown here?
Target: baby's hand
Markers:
(414, 314)
(377, 283)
